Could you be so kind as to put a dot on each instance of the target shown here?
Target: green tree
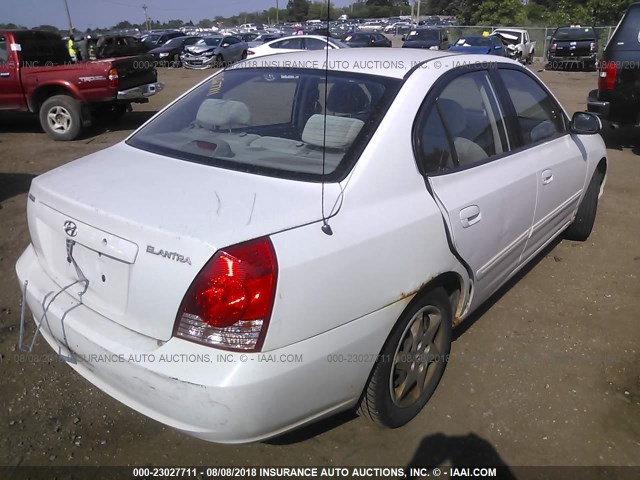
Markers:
(47, 28)
(298, 10)
(499, 12)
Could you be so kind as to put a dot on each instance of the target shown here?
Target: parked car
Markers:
(519, 45)
(361, 39)
(429, 38)
(237, 249)
(371, 27)
(295, 43)
(617, 98)
(157, 39)
(573, 46)
(214, 51)
(168, 55)
(113, 46)
(37, 76)
(264, 38)
(489, 45)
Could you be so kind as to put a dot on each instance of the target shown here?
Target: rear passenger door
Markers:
(487, 199)
(542, 141)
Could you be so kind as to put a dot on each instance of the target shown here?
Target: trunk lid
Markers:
(141, 226)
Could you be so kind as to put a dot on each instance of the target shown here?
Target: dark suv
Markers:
(617, 98)
(573, 46)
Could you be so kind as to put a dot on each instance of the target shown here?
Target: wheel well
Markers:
(602, 169)
(452, 284)
(40, 95)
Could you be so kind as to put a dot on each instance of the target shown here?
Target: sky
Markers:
(106, 13)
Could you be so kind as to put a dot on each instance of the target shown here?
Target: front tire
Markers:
(582, 225)
(61, 117)
(411, 363)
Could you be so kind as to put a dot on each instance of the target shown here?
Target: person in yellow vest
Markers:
(72, 48)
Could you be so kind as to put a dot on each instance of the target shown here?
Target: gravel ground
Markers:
(546, 374)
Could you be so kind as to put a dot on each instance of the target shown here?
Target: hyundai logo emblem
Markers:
(70, 228)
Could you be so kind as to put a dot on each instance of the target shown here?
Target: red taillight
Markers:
(250, 52)
(229, 303)
(114, 79)
(552, 47)
(608, 74)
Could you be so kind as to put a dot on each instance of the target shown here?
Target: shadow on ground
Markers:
(623, 137)
(458, 452)
(12, 184)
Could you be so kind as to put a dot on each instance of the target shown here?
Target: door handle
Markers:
(470, 215)
(547, 177)
(5, 74)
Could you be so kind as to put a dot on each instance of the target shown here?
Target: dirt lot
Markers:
(546, 374)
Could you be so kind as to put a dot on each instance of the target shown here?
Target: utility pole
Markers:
(277, 12)
(146, 17)
(68, 17)
(418, 14)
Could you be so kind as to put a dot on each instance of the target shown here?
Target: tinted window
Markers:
(314, 44)
(472, 118)
(4, 56)
(474, 41)
(539, 116)
(292, 43)
(423, 35)
(627, 34)
(574, 34)
(38, 48)
(232, 40)
(434, 145)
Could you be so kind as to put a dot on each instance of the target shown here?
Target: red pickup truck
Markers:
(37, 76)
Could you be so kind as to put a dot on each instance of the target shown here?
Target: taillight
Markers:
(114, 79)
(250, 52)
(593, 47)
(552, 47)
(229, 303)
(608, 74)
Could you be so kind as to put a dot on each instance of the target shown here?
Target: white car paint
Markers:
(336, 294)
(272, 47)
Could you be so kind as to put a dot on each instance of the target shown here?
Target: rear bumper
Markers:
(140, 92)
(586, 60)
(220, 396)
(599, 107)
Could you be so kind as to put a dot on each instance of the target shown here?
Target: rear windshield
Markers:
(423, 35)
(273, 122)
(627, 34)
(41, 48)
(575, 34)
(175, 42)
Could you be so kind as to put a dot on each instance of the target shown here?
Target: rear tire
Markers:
(61, 117)
(244, 55)
(582, 225)
(110, 113)
(411, 363)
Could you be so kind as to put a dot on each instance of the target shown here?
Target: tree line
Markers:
(542, 13)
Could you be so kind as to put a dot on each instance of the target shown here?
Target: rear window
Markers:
(273, 122)
(627, 34)
(41, 48)
(575, 34)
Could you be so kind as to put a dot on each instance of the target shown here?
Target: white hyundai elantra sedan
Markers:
(283, 243)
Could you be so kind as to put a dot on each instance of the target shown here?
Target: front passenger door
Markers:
(540, 126)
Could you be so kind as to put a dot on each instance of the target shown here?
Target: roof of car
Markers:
(386, 62)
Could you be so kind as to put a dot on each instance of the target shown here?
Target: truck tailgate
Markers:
(135, 71)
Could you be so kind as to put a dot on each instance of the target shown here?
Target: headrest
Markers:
(341, 131)
(347, 98)
(215, 114)
(454, 116)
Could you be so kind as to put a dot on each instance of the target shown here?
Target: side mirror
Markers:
(585, 123)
